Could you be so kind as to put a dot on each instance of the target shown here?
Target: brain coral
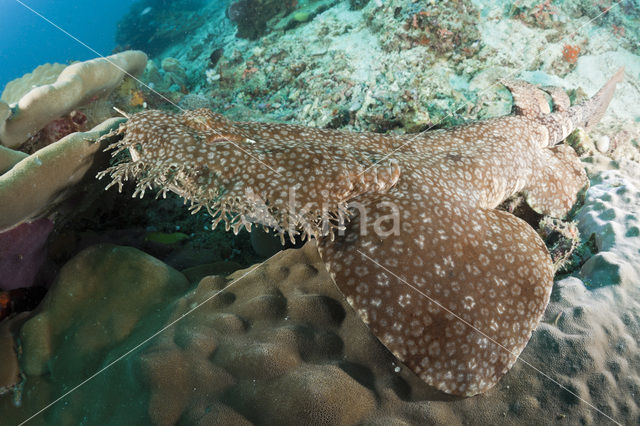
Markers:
(278, 344)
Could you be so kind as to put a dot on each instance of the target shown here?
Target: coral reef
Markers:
(357, 4)
(448, 28)
(153, 25)
(279, 344)
(610, 214)
(343, 76)
(41, 76)
(282, 344)
(154, 283)
(539, 13)
(620, 17)
(378, 84)
(570, 53)
(251, 16)
(9, 157)
(170, 77)
(77, 84)
(75, 121)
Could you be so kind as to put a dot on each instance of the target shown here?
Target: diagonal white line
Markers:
(140, 82)
(417, 135)
(123, 356)
(468, 324)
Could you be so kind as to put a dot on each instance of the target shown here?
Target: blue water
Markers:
(28, 40)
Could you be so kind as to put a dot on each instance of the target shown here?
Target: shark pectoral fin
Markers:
(554, 188)
(453, 294)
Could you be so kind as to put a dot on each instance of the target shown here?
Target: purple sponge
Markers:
(22, 253)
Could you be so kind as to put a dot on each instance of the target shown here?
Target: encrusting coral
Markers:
(40, 76)
(9, 157)
(77, 84)
(452, 286)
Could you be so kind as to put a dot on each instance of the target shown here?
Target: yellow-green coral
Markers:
(34, 185)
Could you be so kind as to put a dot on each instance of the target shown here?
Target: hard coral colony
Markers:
(457, 288)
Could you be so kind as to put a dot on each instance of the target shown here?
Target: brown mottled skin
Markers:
(457, 290)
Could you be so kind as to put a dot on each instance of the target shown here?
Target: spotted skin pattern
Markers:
(452, 286)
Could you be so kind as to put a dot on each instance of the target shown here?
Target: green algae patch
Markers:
(301, 16)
